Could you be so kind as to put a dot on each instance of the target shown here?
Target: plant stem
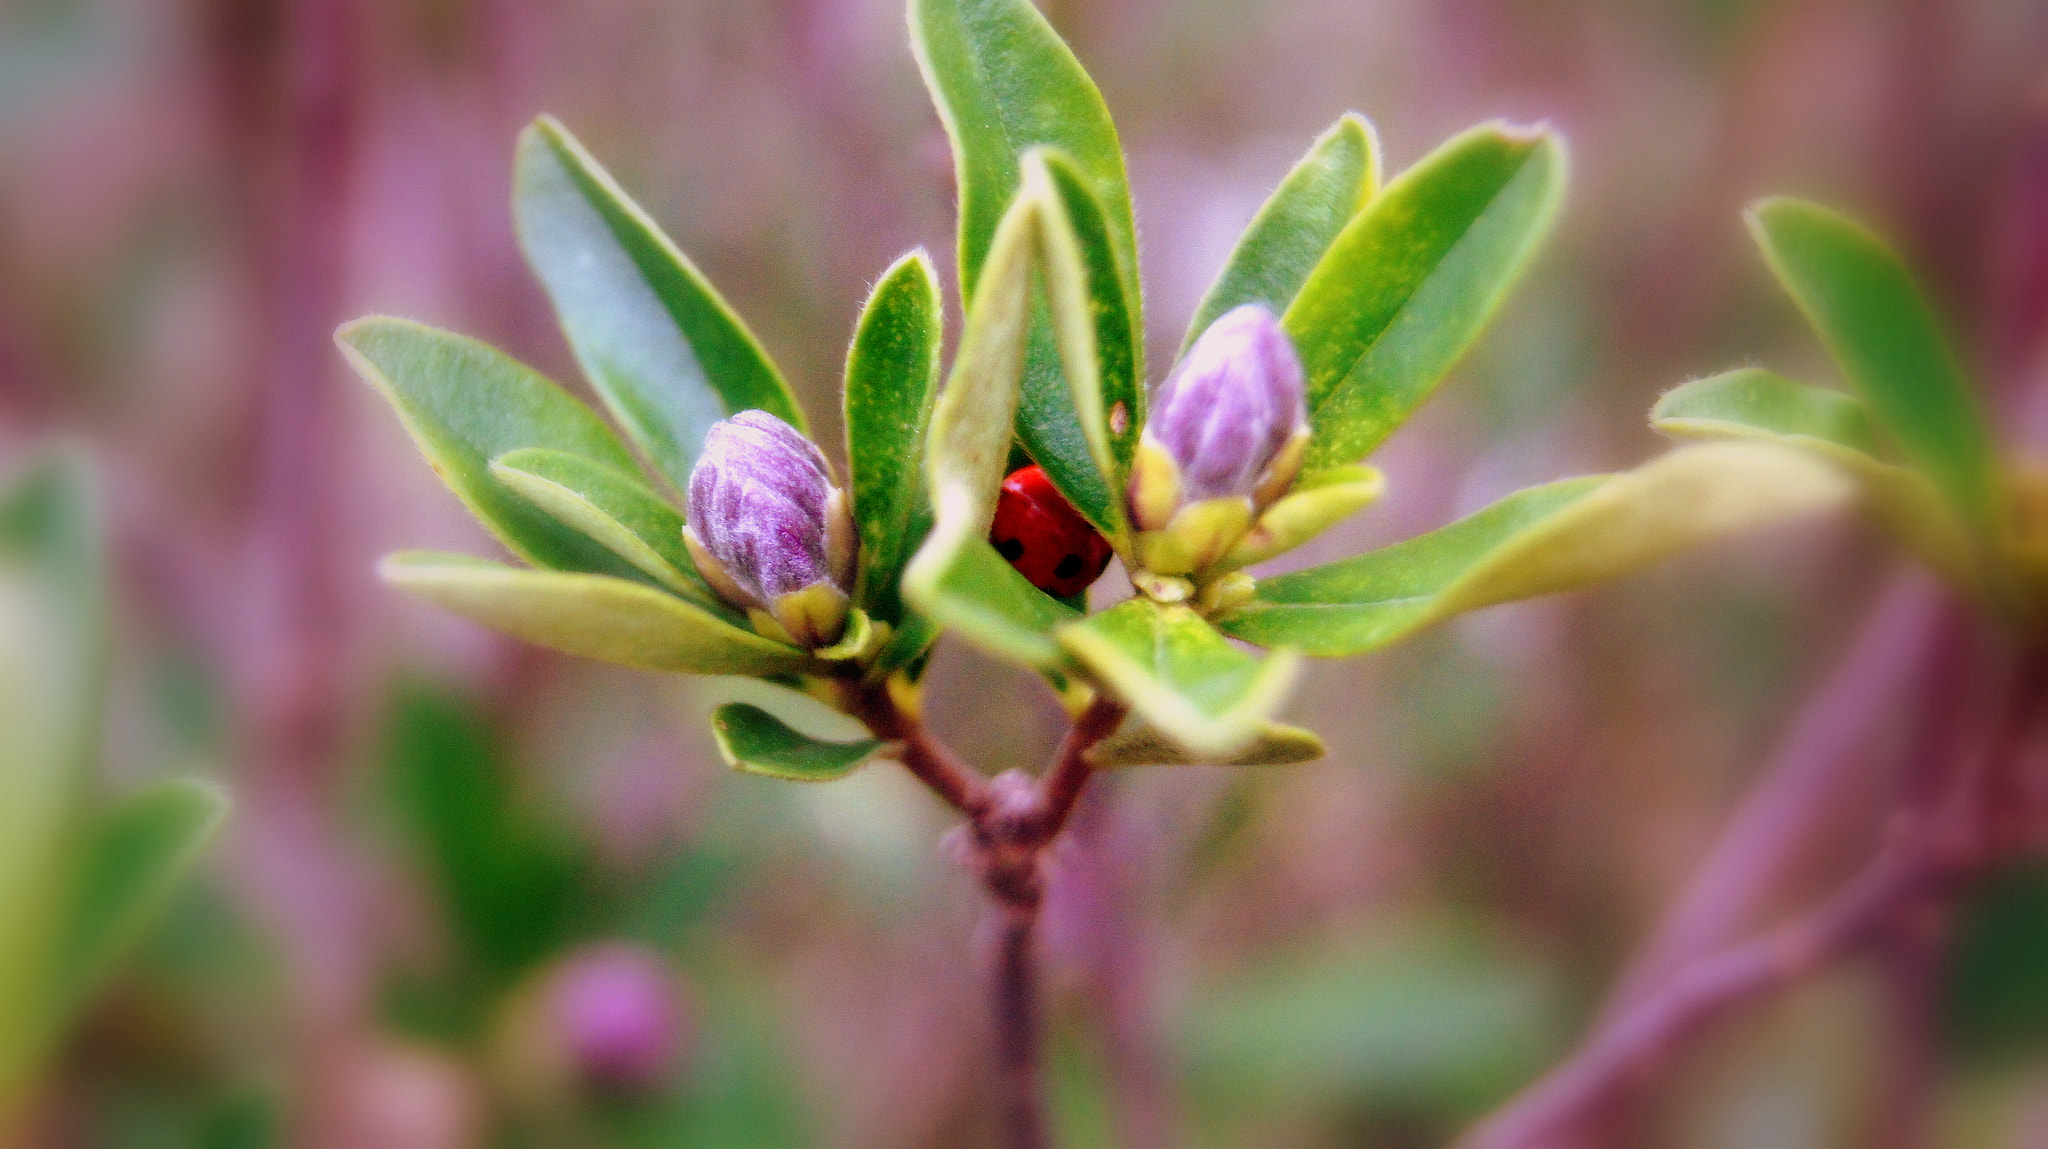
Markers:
(1017, 1029)
(1011, 822)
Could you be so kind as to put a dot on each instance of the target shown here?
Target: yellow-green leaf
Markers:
(1543, 540)
(593, 616)
(1139, 744)
(1759, 406)
(1181, 676)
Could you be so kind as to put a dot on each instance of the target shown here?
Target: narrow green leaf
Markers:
(133, 862)
(1142, 745)
(593, 616)
(53, 634)
(1095, 327)
(1759, 406)
(466, 403)
(962, 584)
(892, 379)
(1180, 675)
(956, 579)
(657, 341)
(610, 506)
(1297, 224)
(757, 742)
(1749, 401)
(1003, 81)
(1543, 540)
(1867, 309)
(1407, 285)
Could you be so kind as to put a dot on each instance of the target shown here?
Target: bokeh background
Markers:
(437, 830)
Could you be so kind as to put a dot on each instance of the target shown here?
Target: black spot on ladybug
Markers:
(1044, 537)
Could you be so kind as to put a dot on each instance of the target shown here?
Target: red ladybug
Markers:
(1045, 537)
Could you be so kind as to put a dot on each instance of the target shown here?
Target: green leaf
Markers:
(1003, 82)
(1143, 745)
(757, 742)
(510, 880)
(657, 341)
(1407, 285)
(466, 403)
(1095, 326)
(962, 584)
(594, 616)
(1180, 675)
(1749, 402)
(892, 378)
(610, 506)
(53, 634)
(1867, 309)
(1297, 225)
(1759, 406)
(1542, 540)
(133, 862)
(956, 579)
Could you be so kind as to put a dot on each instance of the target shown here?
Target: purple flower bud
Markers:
(762, 504)
(1231, 406)
(619, 1016)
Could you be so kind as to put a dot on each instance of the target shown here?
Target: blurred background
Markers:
(475, 893)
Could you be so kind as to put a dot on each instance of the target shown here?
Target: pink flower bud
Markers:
(619, 1015)
(1231, 406)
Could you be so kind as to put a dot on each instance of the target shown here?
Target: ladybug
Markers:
(1044, 537)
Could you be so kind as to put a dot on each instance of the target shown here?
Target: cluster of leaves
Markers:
(1381, 289)
(1912, 436)
(78, 882)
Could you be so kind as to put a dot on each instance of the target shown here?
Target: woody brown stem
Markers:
(1011, 823)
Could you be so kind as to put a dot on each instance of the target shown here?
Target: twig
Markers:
(1620, 1054)
(1010, 824)
(1070, 771)
(1801, 785)
(1017, 1029)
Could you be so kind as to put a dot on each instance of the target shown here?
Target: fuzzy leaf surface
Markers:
(1296, 225)
(1180, 675)
(1873, 319)
(610, 506)
(1004, 82)
(757, 742)
(592, 616)
(892, 380)
(465, 403)
(1409, 283)
(1543, 540)
(666, 352)
(1070, 410)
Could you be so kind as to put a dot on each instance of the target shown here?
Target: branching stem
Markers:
(1011, 823)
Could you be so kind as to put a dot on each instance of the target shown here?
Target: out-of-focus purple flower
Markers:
(1231, 406)
(768, 529)
(620, 1017)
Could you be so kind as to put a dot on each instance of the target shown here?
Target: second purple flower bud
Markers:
(1224, 440)
(769, 530)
